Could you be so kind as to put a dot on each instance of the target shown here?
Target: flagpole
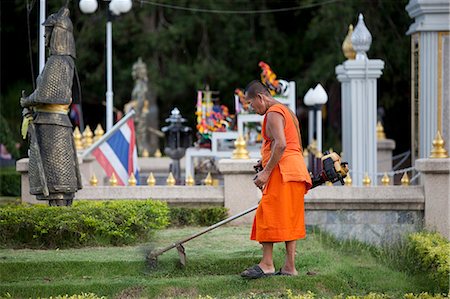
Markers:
(107, 134)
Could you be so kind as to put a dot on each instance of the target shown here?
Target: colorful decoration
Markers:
(269, 78)
(211, 116)
(240, 103)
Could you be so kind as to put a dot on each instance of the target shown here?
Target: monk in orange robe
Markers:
(284, 180)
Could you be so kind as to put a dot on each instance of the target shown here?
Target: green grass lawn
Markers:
(214, 262)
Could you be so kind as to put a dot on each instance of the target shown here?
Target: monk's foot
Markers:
(267, 268)
(287, 272)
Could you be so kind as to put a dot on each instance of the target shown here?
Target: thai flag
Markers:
(118, 154)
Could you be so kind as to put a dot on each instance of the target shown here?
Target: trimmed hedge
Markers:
(197, 216)
(9, 182)
(86, 223)
(432, 251)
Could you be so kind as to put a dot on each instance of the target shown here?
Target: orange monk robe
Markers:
(281, 214)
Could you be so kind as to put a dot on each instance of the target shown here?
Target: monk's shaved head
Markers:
(254, 88)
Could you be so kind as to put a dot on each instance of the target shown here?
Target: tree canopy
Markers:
(185, 50)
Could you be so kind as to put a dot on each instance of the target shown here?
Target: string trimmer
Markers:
(333, 170)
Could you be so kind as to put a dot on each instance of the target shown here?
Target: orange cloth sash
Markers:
(280, 214)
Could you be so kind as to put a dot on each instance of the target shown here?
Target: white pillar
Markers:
(41, 35)
(359, 115)
(109, 83)
(431, 73)
(310, 125)
(319, 128)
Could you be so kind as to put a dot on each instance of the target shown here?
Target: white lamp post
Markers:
(116, 7)
(315, 98)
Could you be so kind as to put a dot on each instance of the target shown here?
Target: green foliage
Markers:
(197, 216)
(7, 137)
(85, 223)
(433, 253)
(9, 182)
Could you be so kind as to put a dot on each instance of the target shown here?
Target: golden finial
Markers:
(87, 137)
(145, 153)
(328, 183)
(113, 180)
(347, 46)
(190, 181)
(348, 180)
(405, 179)
(380, 131)
(98, 132)
(438, 150)
(366, 180)
(132, 180)
(93, 180)
(385, 180)
(331, 150)
(208, 180)
(170, 180)
(241, 151)
(151, 181)
(77, 139)
(158, 153)
(313, 147)
(305, 153)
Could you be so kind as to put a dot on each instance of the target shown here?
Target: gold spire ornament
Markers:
(385, 180)
(132, 180)
(305, 153)
(208, 180)
(145, 153)
(405, 179)
(380, 131)
(190, 181)
(366, 180)
(347, 46)
(113, 180)
(438, 150)
(151, 181)
(77, 139)
(241, 151)
(348, 180)
(98, 132)
(170, 180)
(158, 153)
(93, 180)
(328, 183)
(87, 137)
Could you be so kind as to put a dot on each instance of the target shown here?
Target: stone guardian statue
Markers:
(53, 166)
(143, 101)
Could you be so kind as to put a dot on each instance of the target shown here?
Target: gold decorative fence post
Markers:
(385, 181)
(366, 180)
(438, 150)
(98, 132)
(77, 139)
(87, 137)
(113, 180)
(190, 181)
(405, 179)
(151, 181)
(348, 180)
(132, 180)
(241, 151)
(170, 180)
(93, 180)
(208, 180)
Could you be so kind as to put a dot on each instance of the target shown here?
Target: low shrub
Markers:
(197, 216)
(86, 223)
(9, 182)
(432, 251)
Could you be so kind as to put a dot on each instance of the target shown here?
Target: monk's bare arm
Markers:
(275, 131)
